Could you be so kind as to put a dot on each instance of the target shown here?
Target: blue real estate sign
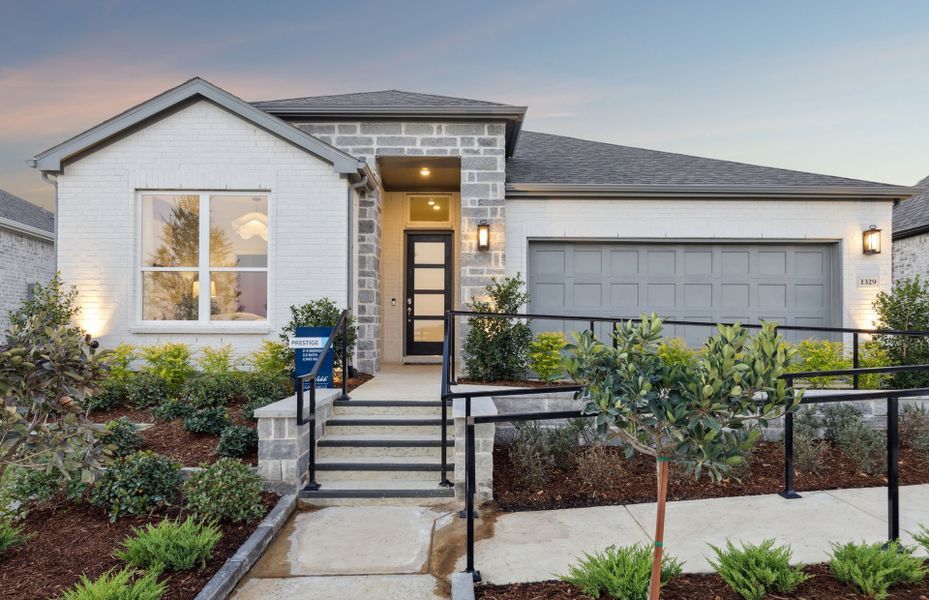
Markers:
(307, 344)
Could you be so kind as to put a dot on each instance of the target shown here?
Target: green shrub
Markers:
(871, 355)
(495, 348)
(10, 536)
(218, 361)
(838, 419)
(172, 409)
(137, 484)
(596, 464)
(35, 486)
(237, 441)
(754, 571)
(820, 355)
(207, 420)
(320, 313)
(536, 450)
(914, 428)
(809, 451)
(866, 446)
(272, 358)
(621, 573)
(676, 353)
(171, 545)
(874, 568)
(260, 385)
(117, 586)
(112, 393)
(169, 361)
(123, 435)
(145, 389)
(120, 362)
(905, 307)
(57, 305)
(545, 355)
(206, 390)
(226, 490)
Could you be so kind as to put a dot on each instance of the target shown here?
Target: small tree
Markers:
(320, 313)
(906, 307)
(545, 355)
(497, 348)
(695, 414)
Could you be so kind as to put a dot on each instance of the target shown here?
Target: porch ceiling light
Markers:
(425, 172)
(483, 236)
(871, 239)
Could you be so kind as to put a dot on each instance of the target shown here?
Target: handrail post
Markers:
(344, 356)
(469, 498)
(789, 493)
(893, 469)
(855, 359)
(470, 471)
(312, 484)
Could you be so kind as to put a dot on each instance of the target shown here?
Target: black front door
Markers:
(428, 291)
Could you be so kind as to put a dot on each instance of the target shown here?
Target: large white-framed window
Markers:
(203, 257)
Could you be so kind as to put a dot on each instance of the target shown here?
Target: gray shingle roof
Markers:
(16, 209)
(912, 216)
(543, 158)
(385, 98)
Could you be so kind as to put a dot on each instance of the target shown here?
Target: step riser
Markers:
(355, 475)
(310, 502)
(335, 452)
(387, 411)
(387, 430)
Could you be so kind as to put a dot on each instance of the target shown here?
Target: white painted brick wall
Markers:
(715, 220)
(24, 260)
(201, 147)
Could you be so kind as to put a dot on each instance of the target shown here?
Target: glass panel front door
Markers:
(428, 291)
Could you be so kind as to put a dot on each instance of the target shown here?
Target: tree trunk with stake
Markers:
(654, 588)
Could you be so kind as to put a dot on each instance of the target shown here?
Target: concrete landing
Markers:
(370, 587)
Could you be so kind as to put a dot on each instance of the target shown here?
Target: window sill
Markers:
(262, 329)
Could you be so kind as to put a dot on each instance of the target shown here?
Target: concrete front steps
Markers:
(382, 452)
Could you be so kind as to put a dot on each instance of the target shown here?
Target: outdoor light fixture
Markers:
(483, 236)
(425, 172)
(871, 238)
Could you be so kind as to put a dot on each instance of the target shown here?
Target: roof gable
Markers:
(16, 212)
(52, 160)
(911, 217)
(558, 161)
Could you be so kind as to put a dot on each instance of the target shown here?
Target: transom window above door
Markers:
(429, 208)
(203, 256)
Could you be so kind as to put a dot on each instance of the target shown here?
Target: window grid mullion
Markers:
(205, 283)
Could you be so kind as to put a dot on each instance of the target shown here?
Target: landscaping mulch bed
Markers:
(822, 586)
(521, 383)
(634, 480)
(70, 540)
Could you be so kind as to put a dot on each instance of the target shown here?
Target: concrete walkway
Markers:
(535, 546)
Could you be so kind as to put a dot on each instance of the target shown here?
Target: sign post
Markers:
(307, 345)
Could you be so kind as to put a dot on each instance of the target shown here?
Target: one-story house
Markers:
(911, 235)
(402, 205)
(27, 251)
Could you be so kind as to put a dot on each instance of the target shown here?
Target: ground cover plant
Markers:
(226, 490)
(874, 568)
(118, 586)
(693, 415)
(10, 536)
(755, 570)
(171, 545)
(622, 573)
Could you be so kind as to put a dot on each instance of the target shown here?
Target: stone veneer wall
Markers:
(481, 147)
(911, 257)
(26, 260)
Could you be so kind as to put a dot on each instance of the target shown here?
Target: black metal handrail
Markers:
(342, 327)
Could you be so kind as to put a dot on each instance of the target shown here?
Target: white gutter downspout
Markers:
(48, 179)
(363, 182)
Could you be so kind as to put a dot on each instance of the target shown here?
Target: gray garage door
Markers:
(696, 282)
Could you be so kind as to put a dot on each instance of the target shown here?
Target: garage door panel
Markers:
(700, 282)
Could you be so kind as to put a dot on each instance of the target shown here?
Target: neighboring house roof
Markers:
(544, 164)
(52, 160)
(911, 217)
(397, 104)
(25, 217)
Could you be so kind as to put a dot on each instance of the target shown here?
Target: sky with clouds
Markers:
(831, 86)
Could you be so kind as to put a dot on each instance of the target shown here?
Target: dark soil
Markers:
(822, 586)
(70, 540)
(634, 482)
(190, 449)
